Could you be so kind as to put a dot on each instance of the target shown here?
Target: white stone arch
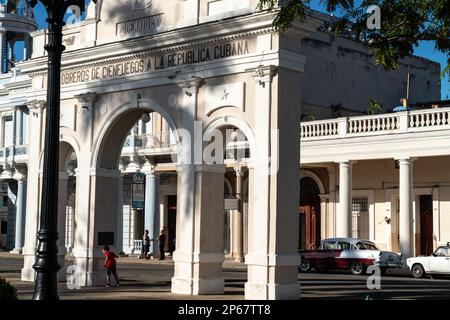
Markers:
(229, 186)
(145, 105)
(218, 122)
(67, 137)
(307, 173)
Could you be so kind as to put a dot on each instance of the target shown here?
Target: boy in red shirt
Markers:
(110, 265)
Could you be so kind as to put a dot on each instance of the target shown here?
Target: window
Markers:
(8, 135)
(360, 218)
(366, 246)
(343, 246)
(4, 227)
(329, 245)
(370, 246)
(441, 252)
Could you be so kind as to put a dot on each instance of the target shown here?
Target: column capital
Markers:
(20, 174)
(36, 105)
(190, 85)
(405, 160)
(239, 171)
(346, 163)
(149, 167)
(7, 172)
(87, 99)
(262, 74)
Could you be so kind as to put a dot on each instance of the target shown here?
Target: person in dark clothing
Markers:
(162, 244)
(145, 245)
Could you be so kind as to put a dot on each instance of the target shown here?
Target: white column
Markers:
(19, 132)
(119, 233)
(151, 219)
(27, 47)
(2, 131)
(37, 116)
(406, 223)
(332, 204)
(2, 46)
(20, 212)
(344, 214)
(12, 43)
(199, 243)
(238, 225)
(62, 205)
(323, 215)
(272, 258)
(85, 252)
(182, 281)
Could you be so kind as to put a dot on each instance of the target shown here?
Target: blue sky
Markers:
(425, 49)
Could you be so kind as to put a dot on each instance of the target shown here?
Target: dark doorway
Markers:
(426, 225)
(309, 210)
(172, 223)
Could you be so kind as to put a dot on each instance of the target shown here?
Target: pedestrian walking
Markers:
(110, 265)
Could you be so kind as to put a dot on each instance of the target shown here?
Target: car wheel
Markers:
(357, 268)
(304, 265)
(417, 271)
(383, 271)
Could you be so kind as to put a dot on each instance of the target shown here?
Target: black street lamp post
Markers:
(46, 265)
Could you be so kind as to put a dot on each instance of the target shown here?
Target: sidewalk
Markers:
(139, 280)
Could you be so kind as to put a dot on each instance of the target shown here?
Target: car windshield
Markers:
(333, 245)
(442, 252)
(366, 246)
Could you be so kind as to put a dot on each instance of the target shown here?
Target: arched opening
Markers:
(309, 210)
(149, 144)
(125, 181)
(237, 155)
(68, 164)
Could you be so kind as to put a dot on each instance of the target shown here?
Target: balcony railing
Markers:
(19, 152)
(401, 122)
(160, 140)
(20, 11)
(137, 247)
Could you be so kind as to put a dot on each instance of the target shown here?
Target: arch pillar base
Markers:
(272, 277)
(198, 286)
(201, 275)
(28, 273)
(199, 255)
(89, 269)
(255, 291)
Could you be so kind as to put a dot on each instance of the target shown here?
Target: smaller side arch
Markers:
(238, 123)
(229, 186)
(67, 137)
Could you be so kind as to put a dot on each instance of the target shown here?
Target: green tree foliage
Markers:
(7, 291)
(374, 107)
(403, 24)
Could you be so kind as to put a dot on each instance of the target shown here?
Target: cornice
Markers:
(191, 37)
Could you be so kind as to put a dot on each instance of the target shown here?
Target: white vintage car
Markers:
(438, 263)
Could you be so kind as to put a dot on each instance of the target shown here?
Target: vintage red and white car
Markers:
(436, 264)
(352, 254)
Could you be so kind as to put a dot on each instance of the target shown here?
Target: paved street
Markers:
(151, 280)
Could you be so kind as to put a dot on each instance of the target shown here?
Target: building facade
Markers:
(141, 79)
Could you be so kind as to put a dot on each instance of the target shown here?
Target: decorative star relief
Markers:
(225, 95)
